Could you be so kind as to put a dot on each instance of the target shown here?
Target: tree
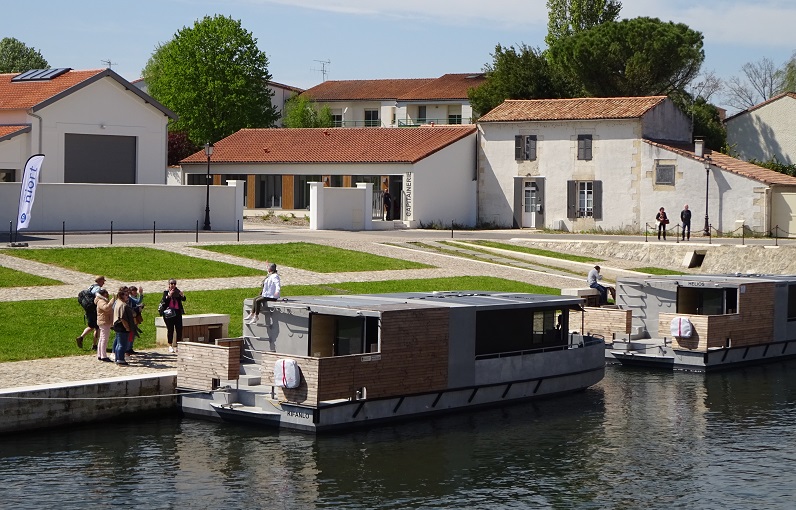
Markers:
(632, 57)
(301, 112)
(522, 73)
(761, 81)
(705, 118)
(180, 147)
(568, 17)
(16, 57)
(788, 75)
(214, 77)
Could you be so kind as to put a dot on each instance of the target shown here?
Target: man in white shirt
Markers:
(593, 278)
(272, 289)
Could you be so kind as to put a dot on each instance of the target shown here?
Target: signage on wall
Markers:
(408, 192)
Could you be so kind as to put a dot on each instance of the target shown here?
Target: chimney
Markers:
(699, 147)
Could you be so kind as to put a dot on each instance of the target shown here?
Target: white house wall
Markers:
(103, 103)
(615, 161)
(443, 189)
(14, 153)
(766, 132)
(666, 122)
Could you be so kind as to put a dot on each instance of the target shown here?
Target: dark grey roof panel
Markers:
(41, 74)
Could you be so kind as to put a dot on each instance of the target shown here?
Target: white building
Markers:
(610, 164)
(398, 102)
(765, 131)
(93, 127)
(429, 171)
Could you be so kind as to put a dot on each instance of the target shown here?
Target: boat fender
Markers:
(287, 373)
(681, 327)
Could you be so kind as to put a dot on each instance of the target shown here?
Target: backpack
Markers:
(86, 299)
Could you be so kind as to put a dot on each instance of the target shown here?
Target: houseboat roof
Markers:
(716, 279)
(447, 299)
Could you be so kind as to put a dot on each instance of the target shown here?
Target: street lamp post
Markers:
(707, 184)
(208, 153)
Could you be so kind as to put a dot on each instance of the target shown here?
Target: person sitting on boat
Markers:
(272, 288)
(593, 279)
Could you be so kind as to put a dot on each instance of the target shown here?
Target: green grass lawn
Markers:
(47, 329)
(535, 251)
(133, 263)
(13, 278)
(315, 257)
(657, 271)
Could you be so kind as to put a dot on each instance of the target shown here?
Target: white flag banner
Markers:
(30, 181)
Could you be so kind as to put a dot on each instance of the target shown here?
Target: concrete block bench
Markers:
(201, 328)
(592, 296)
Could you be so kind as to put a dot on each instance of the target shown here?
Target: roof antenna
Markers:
(108, 63)
(322, 70)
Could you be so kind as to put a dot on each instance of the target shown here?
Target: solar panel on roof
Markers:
(41, 74)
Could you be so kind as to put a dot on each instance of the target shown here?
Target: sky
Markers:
(372, 39)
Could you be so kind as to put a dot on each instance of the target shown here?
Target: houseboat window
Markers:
(513, 331)
(584, 147)
(792, 302)
(703, 301)
(332, 335)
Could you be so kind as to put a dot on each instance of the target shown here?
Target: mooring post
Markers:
(154, 226)
(63, 233)
(197, 231)
(111, 232)
(238, 230)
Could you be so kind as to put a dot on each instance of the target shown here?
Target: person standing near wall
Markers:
(685, 219)
(104, 323)
(662, 220)
(387, 204)
(172, 311)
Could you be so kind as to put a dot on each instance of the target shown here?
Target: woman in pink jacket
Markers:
(104, 321)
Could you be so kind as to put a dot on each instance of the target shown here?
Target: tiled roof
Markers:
(26, 94)
(360, 90)
(584, 108)
(448, 86)
(730, 164)
(333, 145)
(792, 95)
(10, 131)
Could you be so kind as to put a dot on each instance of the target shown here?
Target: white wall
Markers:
(129, 206)
(443, 185)
(341, 208)
(766, 132)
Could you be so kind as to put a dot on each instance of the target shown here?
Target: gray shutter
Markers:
(518, 147)
(587, 148)
(572, 200)
(597, 200)
(532, 148)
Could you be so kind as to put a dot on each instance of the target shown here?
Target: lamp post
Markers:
(707, 184)
(208, 153)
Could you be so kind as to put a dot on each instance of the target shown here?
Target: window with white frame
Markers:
(584, 199)
(584, 147)
(664, 174)
(337, 117)
(455, 118)
(371, 118)
(525, 147)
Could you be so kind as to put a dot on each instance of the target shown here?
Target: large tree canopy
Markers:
(300, 112)
(214, 77)
(16, 57)
(567, 17)
(633, 57)
(516, 73)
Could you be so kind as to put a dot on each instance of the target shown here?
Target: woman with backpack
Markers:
(90, 311)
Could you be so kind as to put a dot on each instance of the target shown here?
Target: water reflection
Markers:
(639, 439)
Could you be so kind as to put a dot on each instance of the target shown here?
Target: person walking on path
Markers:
(104, 322)
(171, 310)
(272, 290)
(662, 220)
(91, 314)
(387, 204)
(593, 279)
(685, 219)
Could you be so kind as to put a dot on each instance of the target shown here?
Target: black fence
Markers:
(741, 232)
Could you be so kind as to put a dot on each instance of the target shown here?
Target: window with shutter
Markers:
(584, 147)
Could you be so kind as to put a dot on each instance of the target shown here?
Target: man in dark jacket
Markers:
(685, 219)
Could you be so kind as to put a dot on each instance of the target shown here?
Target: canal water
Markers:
(639, 439)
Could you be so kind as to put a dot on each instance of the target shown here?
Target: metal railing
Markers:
(583, 341)
(745, 231)
(442, 121)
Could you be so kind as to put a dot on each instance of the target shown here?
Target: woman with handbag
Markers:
(662, 220)
(171, 310)
(123, 325)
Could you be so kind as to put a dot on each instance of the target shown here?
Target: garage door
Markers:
(106, 159)
(783, 212)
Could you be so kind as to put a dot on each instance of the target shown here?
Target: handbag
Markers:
(169, 313)
(118, 326)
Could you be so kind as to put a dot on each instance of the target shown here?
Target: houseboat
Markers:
(321, 363)
(699, 322)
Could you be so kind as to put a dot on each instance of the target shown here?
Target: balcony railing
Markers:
(443, 121)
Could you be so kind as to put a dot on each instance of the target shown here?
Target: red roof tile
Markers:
(730, 164)
(448, 86)
(584, 108)
(26, 94)
(359, 90)
(333, 145)
(10, 131)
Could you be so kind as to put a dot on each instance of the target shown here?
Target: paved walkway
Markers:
(457, 261)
